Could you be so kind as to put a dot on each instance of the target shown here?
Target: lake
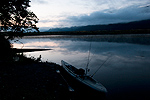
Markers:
(126, 73)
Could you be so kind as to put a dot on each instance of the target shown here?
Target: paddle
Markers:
(69, 87)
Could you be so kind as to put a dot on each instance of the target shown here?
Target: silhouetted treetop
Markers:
(15, 17)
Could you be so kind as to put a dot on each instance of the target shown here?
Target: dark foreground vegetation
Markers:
(28, 79)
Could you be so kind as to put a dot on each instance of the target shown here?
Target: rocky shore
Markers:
(31, 81)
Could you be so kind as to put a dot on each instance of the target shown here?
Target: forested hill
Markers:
(144, 24)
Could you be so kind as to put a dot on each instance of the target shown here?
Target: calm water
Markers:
(126, 74)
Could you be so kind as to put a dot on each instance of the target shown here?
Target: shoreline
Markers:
(99, 32)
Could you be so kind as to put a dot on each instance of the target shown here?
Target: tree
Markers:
(15, 17)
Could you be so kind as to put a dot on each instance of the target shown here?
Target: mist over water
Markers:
(126, 74)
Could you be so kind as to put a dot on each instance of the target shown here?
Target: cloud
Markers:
(47, 20)
(132, 13)
(39, 1)
(66, 13)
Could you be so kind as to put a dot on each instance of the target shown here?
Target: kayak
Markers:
(81, 80)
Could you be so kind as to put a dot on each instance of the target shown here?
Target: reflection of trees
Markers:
(15, 17)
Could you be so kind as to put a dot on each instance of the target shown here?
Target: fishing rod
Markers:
(100, 66)
(88, 59)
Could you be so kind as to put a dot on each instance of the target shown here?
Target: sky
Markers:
(68, 13)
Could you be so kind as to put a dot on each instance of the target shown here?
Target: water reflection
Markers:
(125, 74)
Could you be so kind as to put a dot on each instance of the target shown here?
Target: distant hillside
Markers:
(144, 24)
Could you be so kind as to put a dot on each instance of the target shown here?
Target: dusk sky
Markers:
(67, 13)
